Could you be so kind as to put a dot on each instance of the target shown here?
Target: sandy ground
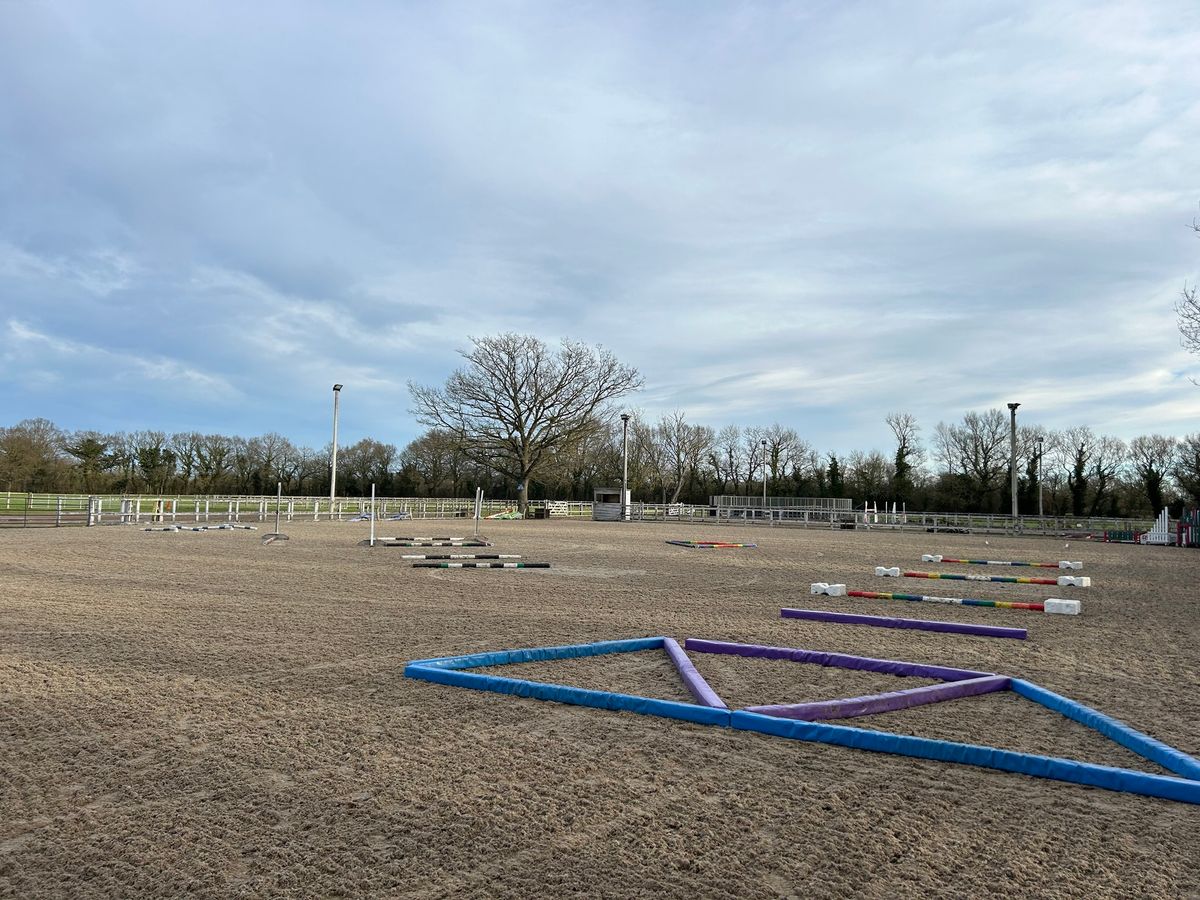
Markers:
(199, 714)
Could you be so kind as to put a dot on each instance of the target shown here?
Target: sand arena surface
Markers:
(195, 713)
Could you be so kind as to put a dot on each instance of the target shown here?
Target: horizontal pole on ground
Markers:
(819, 615)
(834, 660)
(467, 565)
(853, 707)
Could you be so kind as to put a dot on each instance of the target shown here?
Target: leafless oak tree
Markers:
(1188, 309)
(517, 401)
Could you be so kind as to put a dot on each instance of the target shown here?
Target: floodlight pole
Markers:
(764, 464)
(337, 391)
(624, 466)
(1012, 458)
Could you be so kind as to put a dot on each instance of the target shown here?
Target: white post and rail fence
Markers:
(30, 510)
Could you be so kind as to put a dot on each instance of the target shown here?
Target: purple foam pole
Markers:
(836, 660)
(694, 680)
(819, 615)
(851, 707)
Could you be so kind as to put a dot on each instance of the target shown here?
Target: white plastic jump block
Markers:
(832, 590)
(931, 557)
(1066, 607)
(1074, 581)
(894, 572)
(1065, 564)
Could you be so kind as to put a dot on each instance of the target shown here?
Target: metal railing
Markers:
(739, 501)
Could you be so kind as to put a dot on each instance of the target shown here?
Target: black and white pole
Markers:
(624, 467)
(764, 460)
(1041, 450)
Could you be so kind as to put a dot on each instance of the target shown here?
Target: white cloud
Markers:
(817, 214)
(52, 358)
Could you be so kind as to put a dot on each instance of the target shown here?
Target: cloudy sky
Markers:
(811, 213)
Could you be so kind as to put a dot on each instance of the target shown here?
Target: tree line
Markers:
(524, 420)
(962, 467)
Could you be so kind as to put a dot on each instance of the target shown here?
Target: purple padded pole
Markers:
(694, 680)
(836, 660)
(820, 615)
(890, 702)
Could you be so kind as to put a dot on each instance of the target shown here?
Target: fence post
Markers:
(58, 512)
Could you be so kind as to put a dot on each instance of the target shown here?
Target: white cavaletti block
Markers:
(1066, 607)
(1064, 564)
(1074, 581)
(931, 557)
(893, 572)
(832, 590)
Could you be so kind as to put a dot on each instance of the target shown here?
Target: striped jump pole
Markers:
(1061, 564)
(1053, 605)
(1060, 581)
(437, 544)
(461, 556)
(402, 538)
(472, 565)
(710, 545)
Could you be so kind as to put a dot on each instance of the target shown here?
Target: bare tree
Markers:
(726, 459)
(186, 447)
(1108, 459)
(977, 451)
(1153, 457)
(867, 475)
(755, 456)
(782, 444)
(517, 401)
(1188, 309)
(683, 446)
(647, 459)
(1073, 451)
(1187, 466)
(368, 462)
(908, 453)
(30, 455)
(212, 460)
(155, 460)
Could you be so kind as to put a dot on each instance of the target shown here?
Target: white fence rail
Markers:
(58, 510)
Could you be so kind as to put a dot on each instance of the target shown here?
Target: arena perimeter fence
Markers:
(25, 510)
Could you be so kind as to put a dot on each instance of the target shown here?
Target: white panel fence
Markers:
(52, 510)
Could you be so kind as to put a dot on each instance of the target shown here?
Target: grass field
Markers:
(196, 713)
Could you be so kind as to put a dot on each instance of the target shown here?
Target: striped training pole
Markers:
(1060, 581)
(462, 565)
(1061, 564)
(1052, 605)
(461, 556)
